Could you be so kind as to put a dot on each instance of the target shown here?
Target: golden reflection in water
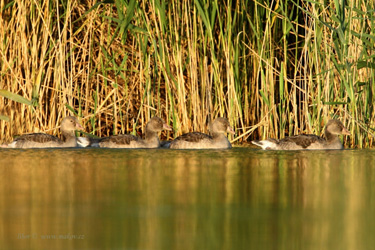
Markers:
(171, 199)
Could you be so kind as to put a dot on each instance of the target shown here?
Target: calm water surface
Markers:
(165, 199)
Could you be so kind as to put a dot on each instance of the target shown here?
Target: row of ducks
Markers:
(194, 140)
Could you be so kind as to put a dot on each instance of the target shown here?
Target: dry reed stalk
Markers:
(291, 65)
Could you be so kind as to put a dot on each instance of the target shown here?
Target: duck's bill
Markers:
(167, 127)
(230, 130)
(345, 131)
(79, 126)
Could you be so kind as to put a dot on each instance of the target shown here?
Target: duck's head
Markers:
(221, 125)
(157, 124)
(70, 124)
(336, 127)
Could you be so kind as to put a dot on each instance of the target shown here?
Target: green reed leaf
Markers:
(335, 103)
(4, 118)
(15, 97)
(365, 64)
(71, 109)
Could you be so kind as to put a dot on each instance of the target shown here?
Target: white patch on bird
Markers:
(265, 144)
(83, 142)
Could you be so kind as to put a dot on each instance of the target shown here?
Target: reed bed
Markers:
(274, 68)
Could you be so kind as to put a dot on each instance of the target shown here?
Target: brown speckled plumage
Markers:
(194, 137)
(39, 140)
(310, 142)
(151, 140)
(120, 139)
(196, 140)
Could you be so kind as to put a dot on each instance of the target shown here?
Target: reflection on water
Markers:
(165, 199)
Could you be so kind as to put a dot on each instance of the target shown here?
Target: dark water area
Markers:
(241, 198)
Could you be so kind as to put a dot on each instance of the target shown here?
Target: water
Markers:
(241, 198)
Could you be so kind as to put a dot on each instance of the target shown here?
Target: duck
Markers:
(333, 129)
(151, 140)
(40, 140)
(197, 140)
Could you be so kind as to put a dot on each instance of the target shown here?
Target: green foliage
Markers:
(15, 97)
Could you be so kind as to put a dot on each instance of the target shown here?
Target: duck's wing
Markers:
(35, 140)
(119, 139)
(38, 138)
(193, 137)
(304, 141)
(297, 142)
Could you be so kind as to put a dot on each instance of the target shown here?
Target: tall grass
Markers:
(274, 68)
